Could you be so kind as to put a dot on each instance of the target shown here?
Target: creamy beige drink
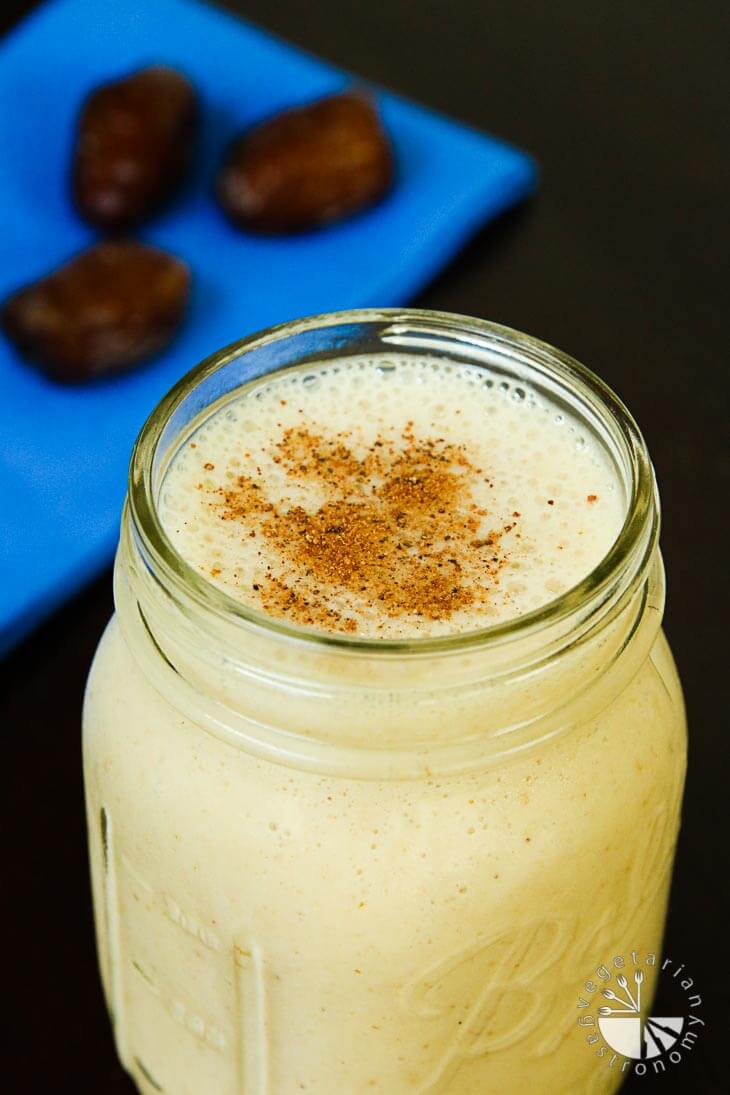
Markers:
(392, 497)
(342, 841)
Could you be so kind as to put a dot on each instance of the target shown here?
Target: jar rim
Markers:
(640, 526)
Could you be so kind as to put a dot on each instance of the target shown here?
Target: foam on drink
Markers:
(392, 497)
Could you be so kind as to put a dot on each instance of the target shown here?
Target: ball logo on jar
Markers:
(515, 986)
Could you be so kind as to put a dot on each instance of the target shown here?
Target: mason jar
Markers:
(331, 864)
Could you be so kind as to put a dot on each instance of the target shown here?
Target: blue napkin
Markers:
(64, 452)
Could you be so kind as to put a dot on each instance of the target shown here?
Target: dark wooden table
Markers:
(620, 260)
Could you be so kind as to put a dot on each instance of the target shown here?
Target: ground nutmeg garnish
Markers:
(397, 534)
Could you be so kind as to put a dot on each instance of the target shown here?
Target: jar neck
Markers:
(388, 709)
(358, 714)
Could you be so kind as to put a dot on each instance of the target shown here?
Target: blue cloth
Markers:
(64, 452)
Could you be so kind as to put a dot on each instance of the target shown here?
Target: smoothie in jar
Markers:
(384, 748)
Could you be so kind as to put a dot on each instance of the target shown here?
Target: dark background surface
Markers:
(621, 260)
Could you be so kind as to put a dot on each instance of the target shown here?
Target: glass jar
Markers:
(328, 864)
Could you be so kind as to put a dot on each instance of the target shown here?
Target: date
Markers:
(134, 143)
(104, 310)
(307, 167)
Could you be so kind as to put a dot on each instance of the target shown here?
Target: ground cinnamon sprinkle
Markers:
(397, 530)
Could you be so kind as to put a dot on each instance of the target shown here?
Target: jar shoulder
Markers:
(120, 701)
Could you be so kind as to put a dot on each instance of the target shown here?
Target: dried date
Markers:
(307, 167)
(104, 310)
(134, 143)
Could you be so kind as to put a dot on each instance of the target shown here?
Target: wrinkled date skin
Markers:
(135, 139)
(307, 167)
(106, 309)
